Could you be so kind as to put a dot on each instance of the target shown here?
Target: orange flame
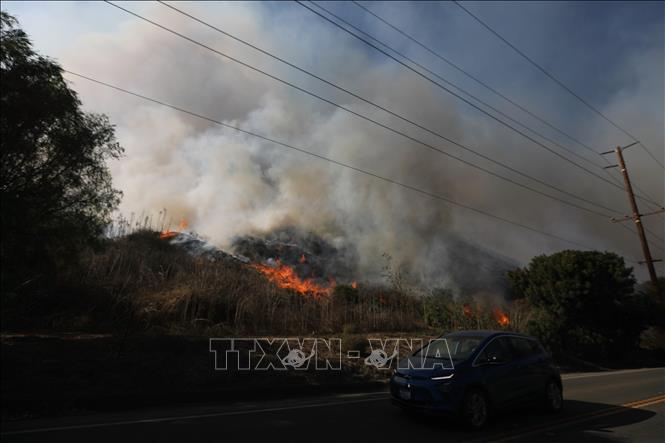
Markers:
(501, 317)
(170, 234)
(285, 277)
(468, 312)
(302, 259)
(354, 285)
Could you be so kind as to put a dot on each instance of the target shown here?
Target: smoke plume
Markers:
(228, 185)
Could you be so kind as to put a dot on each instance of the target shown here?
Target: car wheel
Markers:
(553, 397)
(475, 410)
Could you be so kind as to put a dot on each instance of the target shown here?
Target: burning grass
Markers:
(286, 277)
(167, 233)
(142, 283)
(500, 317)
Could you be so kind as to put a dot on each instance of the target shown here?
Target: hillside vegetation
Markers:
(140, 283)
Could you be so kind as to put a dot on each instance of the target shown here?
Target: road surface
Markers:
(621, 406)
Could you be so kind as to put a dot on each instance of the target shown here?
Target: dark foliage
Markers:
(55, 187)
(584, 303)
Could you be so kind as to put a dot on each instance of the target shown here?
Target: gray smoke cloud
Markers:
(228, 184)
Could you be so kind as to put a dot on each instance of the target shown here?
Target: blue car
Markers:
(470, 374)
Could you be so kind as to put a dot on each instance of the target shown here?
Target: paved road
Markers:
(622, 406)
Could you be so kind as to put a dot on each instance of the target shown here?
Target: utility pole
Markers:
(636, 216)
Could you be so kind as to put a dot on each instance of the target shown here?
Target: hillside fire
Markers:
(167, 234)
(285, 277)
(501, 317)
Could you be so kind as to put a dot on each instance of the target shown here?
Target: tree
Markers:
(55, 186)
(584, 302)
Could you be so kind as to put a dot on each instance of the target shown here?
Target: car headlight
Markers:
(443, 377)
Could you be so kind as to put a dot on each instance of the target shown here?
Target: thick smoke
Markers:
(227, 184)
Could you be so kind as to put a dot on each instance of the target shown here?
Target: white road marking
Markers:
(600, 374)
(362, 394)
(375, 397)
(188, 417)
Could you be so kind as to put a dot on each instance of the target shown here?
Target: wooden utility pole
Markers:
(636, 216)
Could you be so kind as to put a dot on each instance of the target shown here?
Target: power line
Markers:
(438, 84)
(450, 92)
(559, 82)
(401, 117)
(474, 78)
(655, 246)
(617, 183)
(503, 96)
(336, 162)
(395, 131)
(456, 87)
(648, 199)
(660, 239)
(317, 155)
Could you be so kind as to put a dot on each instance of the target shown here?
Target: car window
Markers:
(520, 347)
(434, 349)
(524, 347)
(497, 351)
(536, 348)
(461, 348)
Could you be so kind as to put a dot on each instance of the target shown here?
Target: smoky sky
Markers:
(229, 184)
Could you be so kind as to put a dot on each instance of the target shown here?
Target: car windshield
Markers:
(462, 347)
(455, 347)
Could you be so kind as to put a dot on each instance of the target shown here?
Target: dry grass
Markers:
(140, 283)
(149, 285)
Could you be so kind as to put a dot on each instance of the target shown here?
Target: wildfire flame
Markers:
(285, 277)
(468, 312)
(302, 259)
(354, 285)
(170, 234)
(501, 317)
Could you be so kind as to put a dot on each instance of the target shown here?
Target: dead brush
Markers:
(155, 286)
(143, 283)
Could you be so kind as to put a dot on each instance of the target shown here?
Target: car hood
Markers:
(417, 368)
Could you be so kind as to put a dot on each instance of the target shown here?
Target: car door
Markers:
(541, 367)
(497, 371)
(527, 368)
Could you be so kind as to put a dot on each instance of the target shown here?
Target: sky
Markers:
(228, 184)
